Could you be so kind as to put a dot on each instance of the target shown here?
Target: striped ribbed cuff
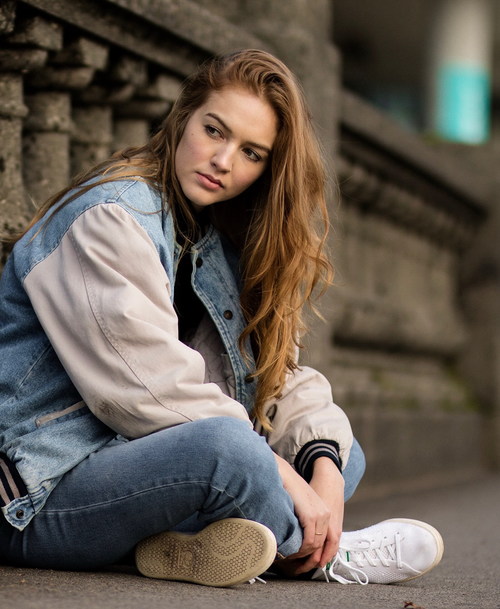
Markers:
(311, 451)
(11, 484)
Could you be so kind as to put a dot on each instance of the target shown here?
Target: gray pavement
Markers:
(467, 578)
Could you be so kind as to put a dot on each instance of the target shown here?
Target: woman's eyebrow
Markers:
(230, 131)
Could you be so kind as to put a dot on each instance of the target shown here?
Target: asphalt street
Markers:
(468, 517)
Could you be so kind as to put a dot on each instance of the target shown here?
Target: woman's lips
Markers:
(209, 182)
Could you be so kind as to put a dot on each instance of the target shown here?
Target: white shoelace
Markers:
(257, 579)
(364, 554)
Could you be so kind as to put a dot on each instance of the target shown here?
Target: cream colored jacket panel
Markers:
(105, 305)
(306, 412)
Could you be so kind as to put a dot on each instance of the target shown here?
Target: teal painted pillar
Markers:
(461, 41)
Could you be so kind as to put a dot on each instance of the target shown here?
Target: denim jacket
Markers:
(46, 427)
(89, 347)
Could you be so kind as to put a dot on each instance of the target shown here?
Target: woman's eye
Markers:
(252, 155)
(212, 131)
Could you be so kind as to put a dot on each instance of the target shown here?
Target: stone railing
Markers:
(409, 216)
(82, 78)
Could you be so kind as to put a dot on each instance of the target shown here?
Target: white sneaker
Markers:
(225, 553)
(395, 550)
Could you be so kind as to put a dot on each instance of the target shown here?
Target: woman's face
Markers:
(225, 146)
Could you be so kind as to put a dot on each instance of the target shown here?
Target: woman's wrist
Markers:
(324, 469)
(324, 464)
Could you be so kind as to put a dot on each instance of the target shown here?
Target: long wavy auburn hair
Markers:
(279, 225)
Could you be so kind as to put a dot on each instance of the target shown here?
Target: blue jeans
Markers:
(183, 477)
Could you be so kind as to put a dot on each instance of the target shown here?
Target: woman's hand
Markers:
(319, 507)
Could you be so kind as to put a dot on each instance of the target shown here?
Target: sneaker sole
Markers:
(437, 538)
(225, 553)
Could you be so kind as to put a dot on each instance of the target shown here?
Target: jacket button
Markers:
(20, 514)
(199, 262)
(249, 379)
(228, 314)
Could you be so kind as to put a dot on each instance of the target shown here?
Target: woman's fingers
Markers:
(315, 530)
(308, 558)
(322, 553)
(310, 562)
(329, 549)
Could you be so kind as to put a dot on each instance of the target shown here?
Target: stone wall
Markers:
(82, 78)
(408, 220)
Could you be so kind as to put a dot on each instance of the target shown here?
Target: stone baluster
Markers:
(83, 59)
(12, 111)
(13, 211)
(92, 140)
(92, 136)
(133, 119)
(46, 144)
(50, 159)
(47, 125)
(7, 16)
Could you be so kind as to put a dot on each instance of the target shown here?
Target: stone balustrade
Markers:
(80, 79)
(409, 217)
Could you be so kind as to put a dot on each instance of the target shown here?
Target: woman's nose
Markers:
(222, 159)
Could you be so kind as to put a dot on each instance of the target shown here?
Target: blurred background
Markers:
(405, 97)
(430, 64)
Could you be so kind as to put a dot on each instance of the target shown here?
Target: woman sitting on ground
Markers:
(151, 397)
